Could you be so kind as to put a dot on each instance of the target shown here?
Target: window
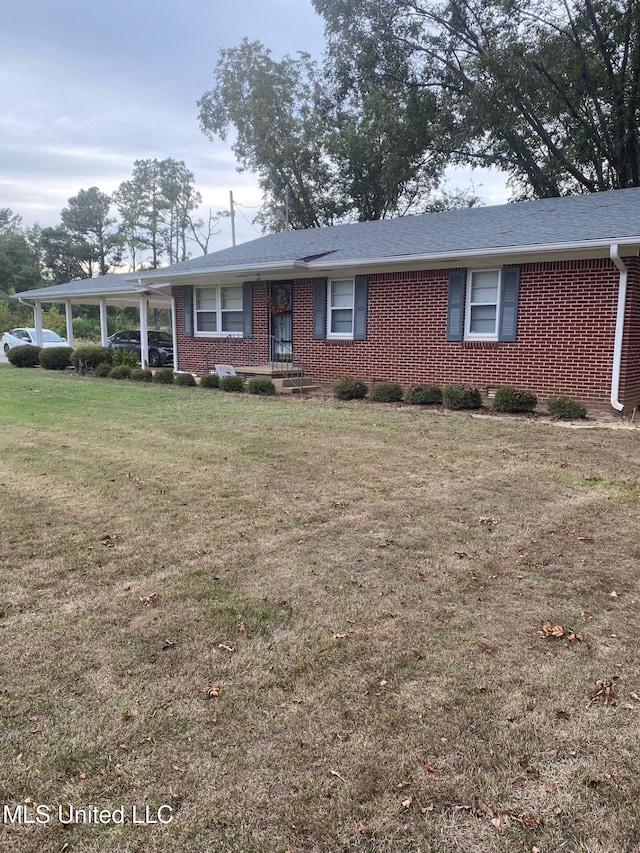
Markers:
(482, 305)
(341, 293)
(219, 310)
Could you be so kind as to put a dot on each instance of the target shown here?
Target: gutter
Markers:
(614, 254)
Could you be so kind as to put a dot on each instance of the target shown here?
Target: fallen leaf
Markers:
(551, 630)
(147, 600)
(496, 821)
(226, 648)
(430, 768)
(604, 691)
(362, 827)
(211, 691)
(406, 804)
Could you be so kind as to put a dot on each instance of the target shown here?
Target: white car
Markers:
(20, 337)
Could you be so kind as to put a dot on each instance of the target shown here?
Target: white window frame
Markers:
(482, 336)
(330, 309)
(219, 312)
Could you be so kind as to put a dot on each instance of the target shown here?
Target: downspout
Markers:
(617, 348)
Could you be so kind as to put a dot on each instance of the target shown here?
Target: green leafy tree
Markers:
(62, 256)
(274, 109)
(547, 92)
(88, 223)
(325, 151)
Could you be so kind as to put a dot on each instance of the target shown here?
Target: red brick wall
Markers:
(566, 323)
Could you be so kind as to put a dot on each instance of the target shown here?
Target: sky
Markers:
(87, 88)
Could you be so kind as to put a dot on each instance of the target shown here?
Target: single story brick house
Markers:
(543, 295)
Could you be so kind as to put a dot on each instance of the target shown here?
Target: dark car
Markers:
(160, 345)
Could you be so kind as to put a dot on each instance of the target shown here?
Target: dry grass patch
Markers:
(314, 626)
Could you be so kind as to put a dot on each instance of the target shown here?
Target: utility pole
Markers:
(233, 219)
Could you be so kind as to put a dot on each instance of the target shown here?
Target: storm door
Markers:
(281, 320)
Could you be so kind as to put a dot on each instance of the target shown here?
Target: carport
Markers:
(122, 290)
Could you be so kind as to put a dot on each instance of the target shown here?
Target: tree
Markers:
(62, 256)
(88, 222)
(131, 207)
(273, 108)
(548, 92)
(323, 151)
(178, 188)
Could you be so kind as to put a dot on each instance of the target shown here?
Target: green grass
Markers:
(309, 625)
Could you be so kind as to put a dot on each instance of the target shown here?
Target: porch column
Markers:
(174, 333)
(37, 320)
(104, 330)
(69, 318)
(144, 333)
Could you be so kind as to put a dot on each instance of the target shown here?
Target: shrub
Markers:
(125, 356)
(56, 358)
(120, 371)
(262, 386)
(210, 380)
(89, 356)
(138, 374)
(163, 376)
(386, 392)
(24, 356)
(185, 379)
(461, 397)
(349, 389)
(230, 383)
(514, 400)
(565, 407)
(102, 370)
(424, 395)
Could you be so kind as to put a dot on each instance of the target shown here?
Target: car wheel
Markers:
(154, 358)
(6, 349)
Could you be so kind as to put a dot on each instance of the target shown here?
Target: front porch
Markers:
(261, 356)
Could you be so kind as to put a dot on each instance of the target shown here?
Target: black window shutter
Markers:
(247, 309)
(455, 305)
(319, 309)
(360, 308)
(509, 304)
(187, 312)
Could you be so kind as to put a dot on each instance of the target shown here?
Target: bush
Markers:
(24, 356)
(566, 408)
(230, 383)
(163, 376)
(56, 358)
(125, 356)
(185, 379)
(102, 370)
(461, 397)
(89, 356)
(210, 380)
(349, 389)
(120, 371)
(140, 375)
(386, 392)
(514, 400)
(261, 386)
(424, 395)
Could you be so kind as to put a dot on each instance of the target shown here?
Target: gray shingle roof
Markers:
(584, 220)
(599, 217)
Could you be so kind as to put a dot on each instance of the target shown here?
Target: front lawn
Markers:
(305, 625)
